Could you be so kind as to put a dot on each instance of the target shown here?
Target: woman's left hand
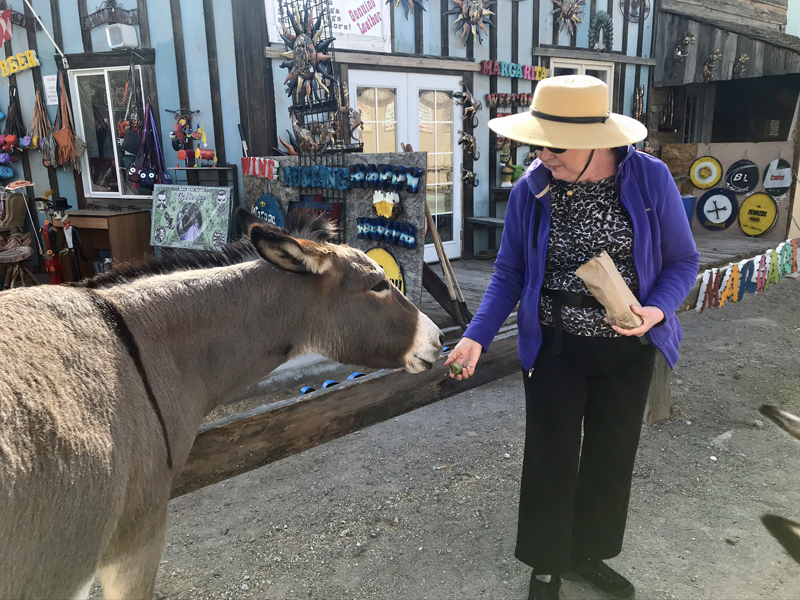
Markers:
(651, 315)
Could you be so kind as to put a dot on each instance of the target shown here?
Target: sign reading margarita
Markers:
(504, 69)
(729, 284)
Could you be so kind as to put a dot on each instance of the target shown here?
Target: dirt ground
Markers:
(424, 506)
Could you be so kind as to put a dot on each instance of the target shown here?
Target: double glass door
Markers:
(398, 109)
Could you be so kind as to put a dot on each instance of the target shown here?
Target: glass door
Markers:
(435, 132)
(400, 108)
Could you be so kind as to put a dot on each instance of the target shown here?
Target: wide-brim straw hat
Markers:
(570, 112)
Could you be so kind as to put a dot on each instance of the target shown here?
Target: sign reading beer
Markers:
(742, 176)
(18, 62)
(778, 177)
(758, 214)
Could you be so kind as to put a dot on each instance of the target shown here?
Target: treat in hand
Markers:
(456, 368)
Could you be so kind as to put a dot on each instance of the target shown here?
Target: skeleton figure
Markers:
(472, 14)
(222, 202)
(711, 64)
(470, 145)
(161, 202)
(306, 56)
(682, 48)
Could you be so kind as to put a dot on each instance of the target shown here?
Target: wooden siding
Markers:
(767, 14)
(765, 58)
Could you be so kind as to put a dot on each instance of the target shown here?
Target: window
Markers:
(99, 101)
(604, 71)
(692, 115)
(378, 106)
(755, 110)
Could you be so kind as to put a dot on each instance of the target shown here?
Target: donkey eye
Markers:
(381, 286)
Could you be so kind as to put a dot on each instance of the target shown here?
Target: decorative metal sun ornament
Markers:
(306, 58)
(635, 10)
(472, 14)
(568, 14)
(408, 5)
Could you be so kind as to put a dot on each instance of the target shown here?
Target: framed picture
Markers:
(186, 216)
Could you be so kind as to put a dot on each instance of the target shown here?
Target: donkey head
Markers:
(357, 316)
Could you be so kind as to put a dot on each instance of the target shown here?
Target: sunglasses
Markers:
(553, 150)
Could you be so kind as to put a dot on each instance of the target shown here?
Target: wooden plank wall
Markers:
(765, 58)
(766, 14)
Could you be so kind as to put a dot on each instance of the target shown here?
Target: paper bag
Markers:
(606, 284)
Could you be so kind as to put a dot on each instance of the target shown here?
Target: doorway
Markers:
(417, 109)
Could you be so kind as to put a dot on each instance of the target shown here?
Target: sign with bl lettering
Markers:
(742, 176)
(18, 62)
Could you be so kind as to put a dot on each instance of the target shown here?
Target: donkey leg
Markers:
(128, 568)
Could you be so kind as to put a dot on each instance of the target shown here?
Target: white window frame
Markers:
(581, 66)
(407, 123)
(80, 130)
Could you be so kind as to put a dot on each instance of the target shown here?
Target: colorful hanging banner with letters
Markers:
(514, 70)
(729, 284)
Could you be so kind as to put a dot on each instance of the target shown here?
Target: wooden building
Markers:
(727, 86)
(222, 58)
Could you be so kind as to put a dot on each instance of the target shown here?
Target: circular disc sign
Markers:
(758, 214)
(390, 267)
(778, 177)
(267, 209)
(742, 176)
(717, 209)
(705, 172)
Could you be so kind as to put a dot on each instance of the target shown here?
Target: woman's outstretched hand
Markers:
(651, 315)
(466, 353)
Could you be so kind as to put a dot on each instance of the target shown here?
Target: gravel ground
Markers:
(424, 505)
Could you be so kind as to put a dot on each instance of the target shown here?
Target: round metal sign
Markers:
(268, 209)
(778, 177)
(717, 209)
(758, 214)
(742, 176)
(705, 172)
(390, 266)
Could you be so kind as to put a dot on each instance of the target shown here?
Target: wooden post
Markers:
(658, 404)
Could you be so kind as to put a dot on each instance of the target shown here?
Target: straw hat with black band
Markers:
(570, 112)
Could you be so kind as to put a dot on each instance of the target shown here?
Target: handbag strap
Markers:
(140, 155)
(162, 165)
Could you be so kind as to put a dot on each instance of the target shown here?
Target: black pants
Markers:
(574, 501)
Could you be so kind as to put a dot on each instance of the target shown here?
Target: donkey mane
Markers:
(302, 224)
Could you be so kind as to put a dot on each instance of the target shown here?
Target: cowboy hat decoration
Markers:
(570, 112)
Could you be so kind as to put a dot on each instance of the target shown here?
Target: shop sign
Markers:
(356, 24)
(329, 178)
(753, 276)
(778, 177)
(18, 62)
(514, 70)
(390, 266)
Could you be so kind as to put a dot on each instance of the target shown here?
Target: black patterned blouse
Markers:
(591, 220)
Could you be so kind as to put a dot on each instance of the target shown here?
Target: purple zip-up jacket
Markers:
(664, 254)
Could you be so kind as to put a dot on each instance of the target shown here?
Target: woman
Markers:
(589, 190)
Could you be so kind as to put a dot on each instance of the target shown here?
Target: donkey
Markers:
(786, 531)
(103, 386)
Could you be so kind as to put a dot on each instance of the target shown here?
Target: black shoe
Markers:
(539, 590)
(602, 577)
